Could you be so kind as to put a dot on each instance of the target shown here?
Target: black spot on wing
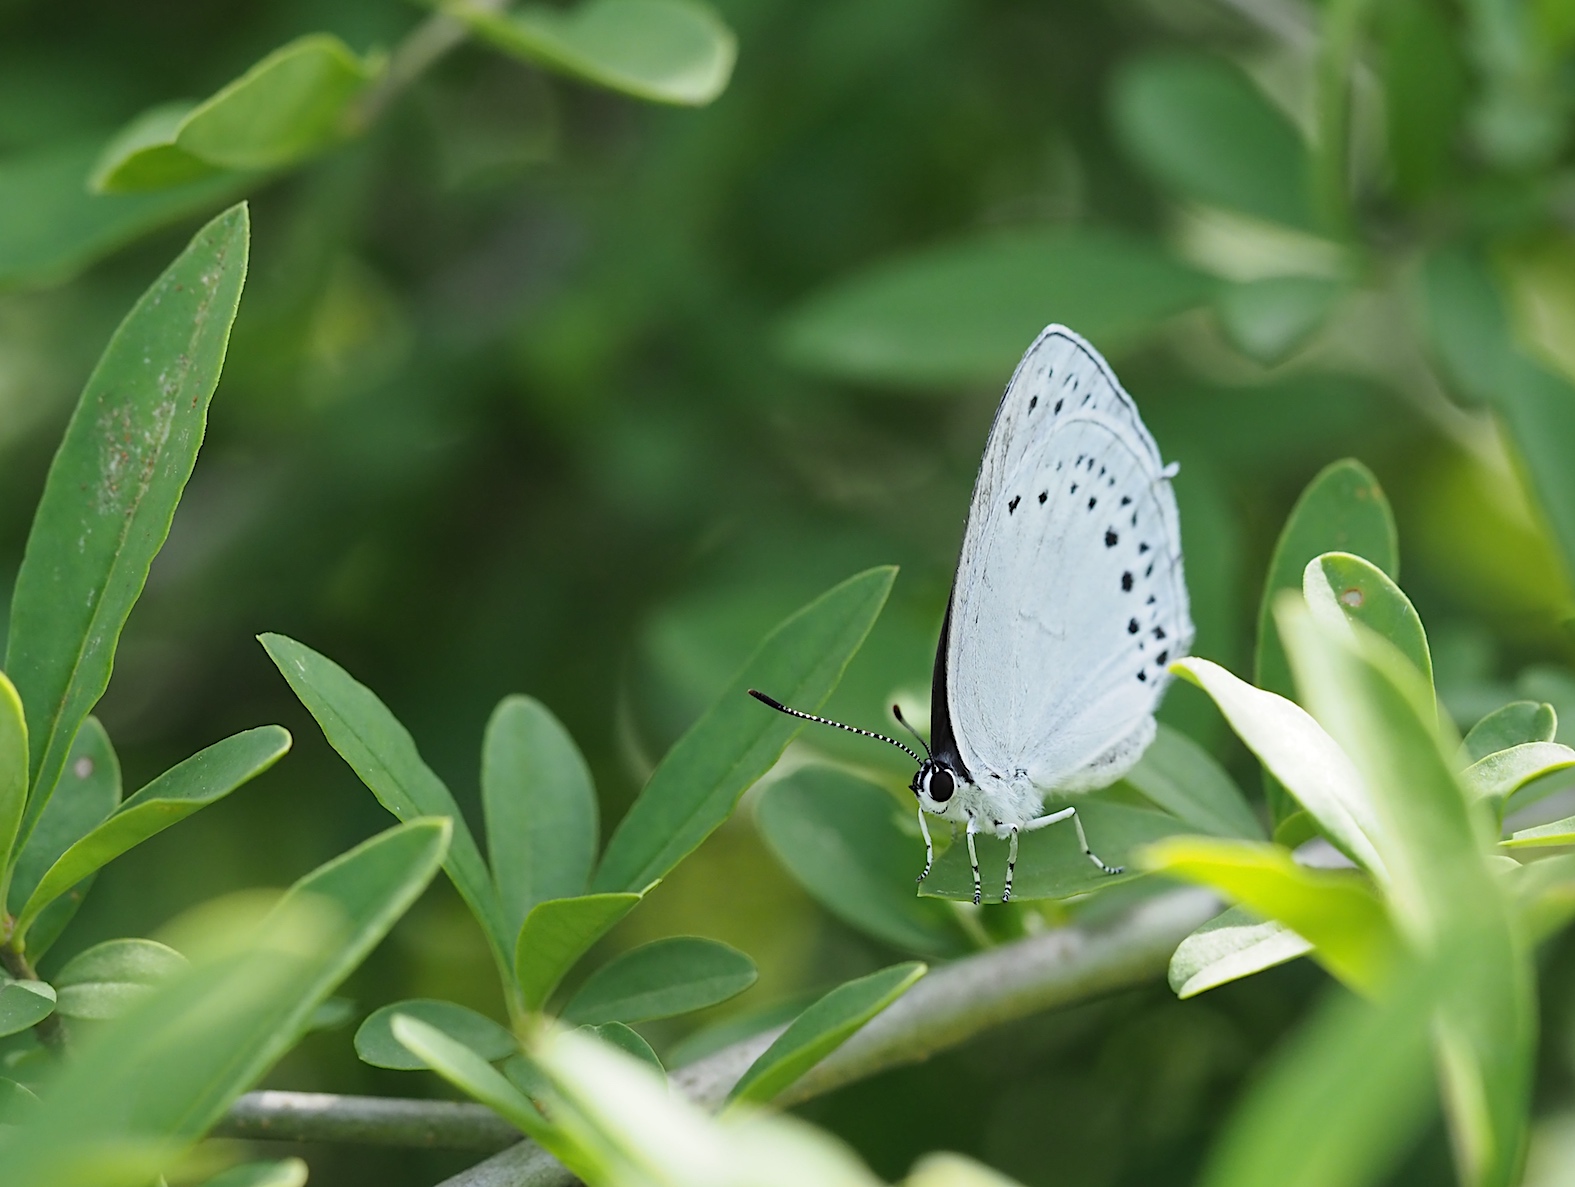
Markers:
(1132, 626)
(1126, 581)
(1012, 506)
(1033, 403)
(1111, 539)
(1043, 495)
(1091, 502)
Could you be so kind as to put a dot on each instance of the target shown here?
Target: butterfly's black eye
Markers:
(941, 786)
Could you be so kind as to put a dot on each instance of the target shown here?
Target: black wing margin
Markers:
(943, 742)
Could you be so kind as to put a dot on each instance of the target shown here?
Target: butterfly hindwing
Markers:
(1069, 599)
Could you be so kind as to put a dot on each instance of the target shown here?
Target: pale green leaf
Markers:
(1511, 725)
(1504, 772)
(13, 770)
(627, 1040)
(1341, 588)
(1234, 944)
(24, 1003)
(283, 1172)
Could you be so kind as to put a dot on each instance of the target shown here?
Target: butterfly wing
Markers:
(1069, 599)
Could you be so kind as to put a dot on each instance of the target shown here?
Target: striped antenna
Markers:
(852, 729)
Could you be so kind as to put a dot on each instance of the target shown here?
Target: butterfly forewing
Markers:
(1069, 599)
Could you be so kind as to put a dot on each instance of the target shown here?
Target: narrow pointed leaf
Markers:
(381, 751)
(838, 835)
(471, 1074)
(1553, 835)
(822, 1028)
(1334, 910)
(1296, 750)
(660, 979)
(698, 784)
(540, 808)
(157, 1078)
(557, 933)
(1343, 509)
(203, 778)
(13, 769)
(375, 1042)
(1234, 944)
(665, 51)
(107, 979)
(1184, 779)
(1444, 893)
(89, 790)
(112, 491)
(1341, 588)
(1356, 1069)
(1516, 723)
(23, 1004)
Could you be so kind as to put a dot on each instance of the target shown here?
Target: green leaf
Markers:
(206, 776)
(1334, 910)
(1553, 835)
(112, 491)
(629, 1041)
(1204, 131)
(24, 1003)
(838, 835)
(286, 108)
(1501, 774)
(1443, 892)
(1295, 749)
(1471, 335)
(144, 156)
(89, 790)
(474, 1076)
(155, 1080)
(698, 784)
(1343, 509)
(963, 313)
(822, 1028)
(557, 933)
(1511, 725)
(1340, 1102)
(375, 1042)
(1181, 777)
(1342, 588)
(108, 978)
(660, 979)
(283, 1172)
(540, 807)
(1270, 319)
(13, 771)
(51, 226)
(666, 51)
(17, 1103)
(1236, 943)
(381, 751)
(1425, 87)
(1050, 863)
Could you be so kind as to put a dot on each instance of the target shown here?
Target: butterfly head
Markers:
(934, 783)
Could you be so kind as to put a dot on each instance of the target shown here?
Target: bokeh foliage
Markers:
(539, 389)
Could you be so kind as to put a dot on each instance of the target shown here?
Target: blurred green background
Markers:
(538, 389)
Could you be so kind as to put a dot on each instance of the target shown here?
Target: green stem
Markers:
(422, 48)
(51, 1031)
(1343, 21)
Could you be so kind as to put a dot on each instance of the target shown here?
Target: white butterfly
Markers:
(1067, 607)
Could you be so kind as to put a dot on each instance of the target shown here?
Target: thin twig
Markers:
(951, 1005)
(370, 1120)
(422, 48)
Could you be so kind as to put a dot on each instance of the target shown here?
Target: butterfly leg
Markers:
(929, 849)
(1082, 837)
(973, 858)
(1011, 866)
